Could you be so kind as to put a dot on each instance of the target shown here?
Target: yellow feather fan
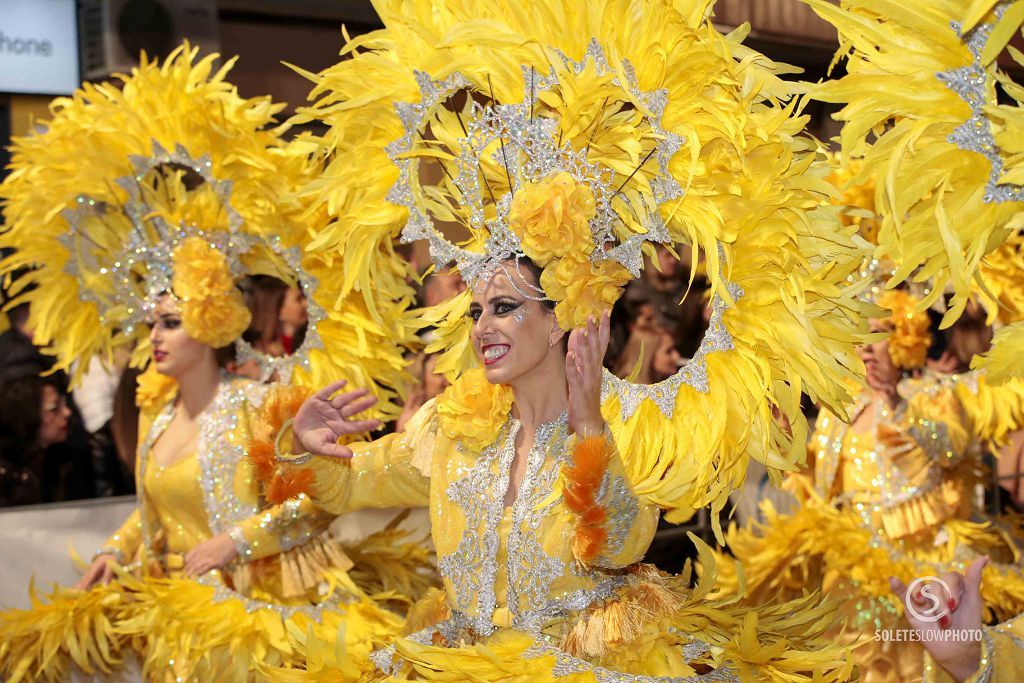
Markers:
(921, 113)
(753, 199)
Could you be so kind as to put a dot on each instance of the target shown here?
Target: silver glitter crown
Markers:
(529, 150)
(142, 268)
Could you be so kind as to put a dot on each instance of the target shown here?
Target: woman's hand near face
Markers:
(322, 420)
(100, 571)
(213, 553)
(583, 369)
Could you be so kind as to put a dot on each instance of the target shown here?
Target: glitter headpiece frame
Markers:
(148, 253)
(141, 269)
(529, 150)
(971, 83)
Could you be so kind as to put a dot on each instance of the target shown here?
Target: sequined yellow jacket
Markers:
(273, 538)
(915, 467)
(500, 567)
(1002, 656)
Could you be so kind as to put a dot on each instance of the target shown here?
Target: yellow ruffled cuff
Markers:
(925, 511)
(294, 573)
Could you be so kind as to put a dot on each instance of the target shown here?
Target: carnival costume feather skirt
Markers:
(291, 579)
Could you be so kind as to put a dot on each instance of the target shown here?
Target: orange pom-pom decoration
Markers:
(582, 481)
(280, 482)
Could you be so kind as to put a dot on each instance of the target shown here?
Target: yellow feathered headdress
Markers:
(170, 191)
(581, 135)
(921, 112)
(169, 183)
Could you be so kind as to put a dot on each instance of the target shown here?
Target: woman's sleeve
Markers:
(279, 528)
(613, 526)
(124, 543)
(392, 471)
(1002, 657)
(934, 425)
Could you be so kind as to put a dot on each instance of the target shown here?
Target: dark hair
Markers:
(18, 315)
(264, 295)
(21, 400)
(124, 423)
(225, 355)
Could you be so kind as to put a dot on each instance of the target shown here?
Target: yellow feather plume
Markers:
(903, 118)
(757, 203)
(86, 146)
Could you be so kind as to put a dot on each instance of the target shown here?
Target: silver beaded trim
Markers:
(242, 545)
(694, 373)
(220, 452)
(971, 83)
(529, 150)
(222, 593)
(107, 550)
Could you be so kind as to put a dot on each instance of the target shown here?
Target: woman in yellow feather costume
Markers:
(893, 494)
(558, 142)
(211, 577)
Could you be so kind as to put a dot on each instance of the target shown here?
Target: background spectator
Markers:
(34, 422)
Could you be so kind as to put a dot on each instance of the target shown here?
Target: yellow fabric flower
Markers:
(583, 289)
(154, 390)
(217, 320)
(212, 309)
(910, 338)
(200, 270)
(472, 410)
(552, 218)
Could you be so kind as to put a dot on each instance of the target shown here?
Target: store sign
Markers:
(38, 47)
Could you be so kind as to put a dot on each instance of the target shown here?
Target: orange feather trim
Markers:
(583, 478)
(280, 483)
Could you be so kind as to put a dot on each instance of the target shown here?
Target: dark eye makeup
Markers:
(501, 307)
(166, 322)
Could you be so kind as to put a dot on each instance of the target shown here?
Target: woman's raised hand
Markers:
(322, 420)
(584, 365)
(959, 653)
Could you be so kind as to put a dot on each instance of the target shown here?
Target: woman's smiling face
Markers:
(512, 334)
